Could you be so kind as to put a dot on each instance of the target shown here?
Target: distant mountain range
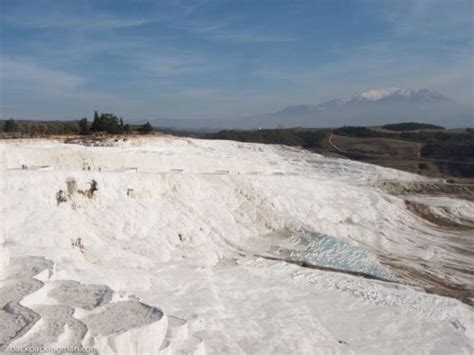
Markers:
(367, 98)
(371, 107)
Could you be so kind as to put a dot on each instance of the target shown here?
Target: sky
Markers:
(224, 58)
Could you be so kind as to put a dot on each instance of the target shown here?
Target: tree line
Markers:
(101, 123)
(410, 132)
(411, 126)
(110, 123)
(306, 138)
(448, 151)
(38, 128)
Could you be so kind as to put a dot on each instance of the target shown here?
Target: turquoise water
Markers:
(324, 250)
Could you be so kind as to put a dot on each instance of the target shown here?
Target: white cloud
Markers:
(255, 37)
(165, 64)
(18, 73)
(226, 30)
(198, 92)
(73, 22)
(163, 71)
(33, 87)
(54, 15)
(383, 64)
(438, 19)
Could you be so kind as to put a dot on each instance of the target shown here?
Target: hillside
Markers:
(441, 153)
(234, 247)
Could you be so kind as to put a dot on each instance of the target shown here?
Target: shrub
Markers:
(362, 132)
(10, 126)
(463, 152)
(410, 126)
(146, 128)
(106, 122)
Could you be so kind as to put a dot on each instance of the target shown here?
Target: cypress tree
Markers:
(10, 126)
(146, 128)
(84, 127)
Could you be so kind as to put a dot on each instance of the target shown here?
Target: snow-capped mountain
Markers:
(399, 95)
(370, 107)
(376, 106)
(373, 96)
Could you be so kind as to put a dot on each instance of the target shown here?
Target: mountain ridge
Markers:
(371, 107)
(383, 95)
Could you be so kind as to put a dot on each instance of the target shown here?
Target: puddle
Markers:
(326, 251)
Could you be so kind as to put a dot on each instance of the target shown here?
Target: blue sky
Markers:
(220, 58)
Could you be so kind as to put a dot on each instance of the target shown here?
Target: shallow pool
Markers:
(323, 250)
